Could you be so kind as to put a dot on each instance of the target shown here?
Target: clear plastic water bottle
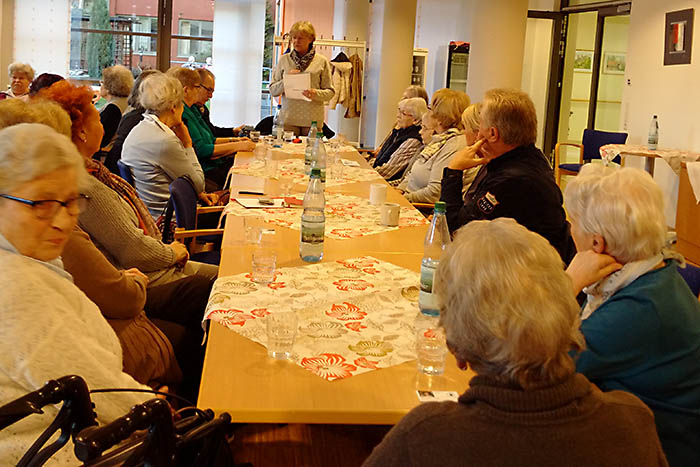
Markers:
(436, 240)
(313, 220)
(653, 140)
(310, 141)
(319, 156)
(278, 127)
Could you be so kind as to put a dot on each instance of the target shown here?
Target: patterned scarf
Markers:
(438, 142)
(599, 292)
(128, 194)
(302, 61)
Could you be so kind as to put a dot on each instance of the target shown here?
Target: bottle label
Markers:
(426, 298)
(312, 232)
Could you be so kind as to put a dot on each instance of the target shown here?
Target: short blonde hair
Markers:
(30, 150)
(416, 91)
(447, 106)
(470, 117)
(625, 206)
(507, 305)
(415, 106)
(512, 112)
(303, 27)
(160, 93)
(186, 76)
(16, 111)
(23, 68)
(118, 80)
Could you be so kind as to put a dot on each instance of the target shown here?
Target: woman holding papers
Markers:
(299, 110)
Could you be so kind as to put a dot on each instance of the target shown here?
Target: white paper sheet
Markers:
(295, 84)
(694, 177)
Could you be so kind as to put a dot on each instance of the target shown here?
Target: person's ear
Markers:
(493, 135)
(82, 136)
(598, 243)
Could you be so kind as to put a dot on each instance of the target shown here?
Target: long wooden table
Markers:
(240, 378)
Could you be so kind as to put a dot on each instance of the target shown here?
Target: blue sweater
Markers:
(646, 340)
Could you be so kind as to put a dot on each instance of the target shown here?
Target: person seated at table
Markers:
(116, 219)
(117, 82)
(526, 406)
(132, 116)
(404, 140)
(21, 76)
(207, 89)
(42, 81)
(421, 183)
(516, 180)
(212, 152)
(641, 321)
(50, 328)
(159, 149)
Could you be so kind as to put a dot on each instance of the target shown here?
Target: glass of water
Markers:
(263, 264)
(286, 183)
(431, 350)
(281, 332)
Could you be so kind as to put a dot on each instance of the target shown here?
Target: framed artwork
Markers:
(614, 63)
(583, 61)
(679, 37)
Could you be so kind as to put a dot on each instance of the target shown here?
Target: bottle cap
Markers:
(656, 116)
(440, 206)
(316, 172)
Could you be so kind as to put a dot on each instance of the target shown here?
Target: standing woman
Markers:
(303, 58)
(21, 76)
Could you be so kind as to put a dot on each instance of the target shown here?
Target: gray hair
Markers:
(133, 99)
(416, 91)
(16, 111)
(415, 106)
(24, 68)
(160, 93)
(118, 80)
(507, 305)
(512, 112)
(625, 206)
(30, 150)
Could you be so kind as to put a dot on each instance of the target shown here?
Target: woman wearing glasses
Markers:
(50, 328)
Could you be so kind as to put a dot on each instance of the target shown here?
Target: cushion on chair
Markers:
(570, 167)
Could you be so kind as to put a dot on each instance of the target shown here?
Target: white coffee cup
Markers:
(377, 193)
(389, 214)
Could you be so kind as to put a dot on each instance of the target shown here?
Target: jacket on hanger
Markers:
(354, 106)
(340, 76)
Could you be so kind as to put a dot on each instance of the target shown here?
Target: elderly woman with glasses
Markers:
(641, 321)
(21, 76)
(50, 328)
(526, 405)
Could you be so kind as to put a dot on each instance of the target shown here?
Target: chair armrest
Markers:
(181, 234)
(557, 155)
(423, 205)
(206, 209)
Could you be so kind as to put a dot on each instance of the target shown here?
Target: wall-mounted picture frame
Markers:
(614, 63)
(679, 37)
(583, 61)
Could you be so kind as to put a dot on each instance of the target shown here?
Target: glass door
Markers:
(612, 73)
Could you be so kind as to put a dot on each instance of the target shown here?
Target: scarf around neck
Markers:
(601, 291)
(302, 61)
(438, 142)
(395, 139)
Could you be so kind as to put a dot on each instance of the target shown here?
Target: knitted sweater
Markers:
(570, 424)
(51, 329)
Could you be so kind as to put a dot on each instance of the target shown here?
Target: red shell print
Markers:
(361, 264)
(430, 333)
(329, 366)
(352, 284)
(355, 326)
(276, 285)
(230, 317)
(364, 363)
(346, 312)
(260, 312)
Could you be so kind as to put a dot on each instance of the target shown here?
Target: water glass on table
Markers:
(281, 332)
(263, 265)
(286, 183)
(270, 166)
(431, 350)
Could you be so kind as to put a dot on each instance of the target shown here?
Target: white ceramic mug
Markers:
(377, 193)
(389, 214)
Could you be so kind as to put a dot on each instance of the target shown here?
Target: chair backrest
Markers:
(594, 139)
(184, 201)
(125, 172)
(691, 274)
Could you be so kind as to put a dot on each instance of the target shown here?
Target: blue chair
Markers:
(183, 203)
(691, 274)
(589, 149)
(125, 172)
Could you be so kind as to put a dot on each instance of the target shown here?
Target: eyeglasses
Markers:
(209, 90)
(46, 209)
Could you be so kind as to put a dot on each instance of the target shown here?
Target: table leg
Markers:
(649, 165)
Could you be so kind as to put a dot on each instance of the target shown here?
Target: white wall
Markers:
(671, 92)
(42, 35)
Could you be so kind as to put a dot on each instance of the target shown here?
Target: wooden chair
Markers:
(589, 149)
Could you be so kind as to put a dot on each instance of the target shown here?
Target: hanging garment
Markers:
(342, 71)
(355, 104)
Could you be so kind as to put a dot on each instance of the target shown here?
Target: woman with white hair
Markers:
(641, 321)
(45, 316)
(404, 140)
(21, 76)
(159, 149)
(117, 82)
(526, 405)
(298, 113)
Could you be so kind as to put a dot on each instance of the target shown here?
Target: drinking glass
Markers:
(431, 350)
(263, 266)
(286, 183)
(281, 331)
